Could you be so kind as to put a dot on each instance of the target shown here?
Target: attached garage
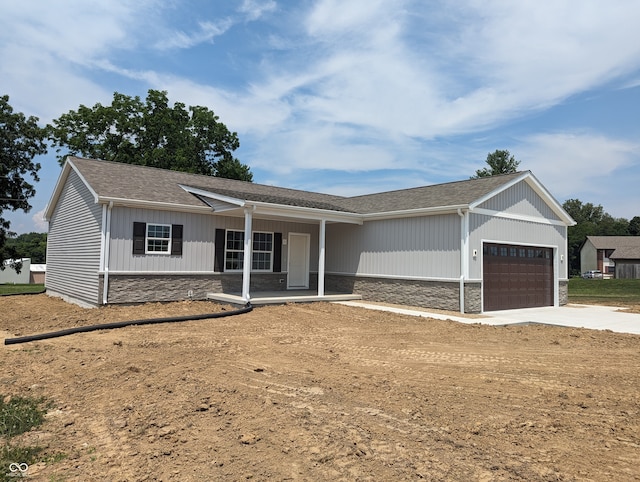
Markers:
(517, 276)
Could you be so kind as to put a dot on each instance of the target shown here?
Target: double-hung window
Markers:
(154, 238)
(262, 251)
(158, 238)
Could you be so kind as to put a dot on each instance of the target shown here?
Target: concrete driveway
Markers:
(577, 316)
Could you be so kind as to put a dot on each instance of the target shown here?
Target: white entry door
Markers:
(298, 266)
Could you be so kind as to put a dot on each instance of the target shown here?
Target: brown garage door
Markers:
(516, 276)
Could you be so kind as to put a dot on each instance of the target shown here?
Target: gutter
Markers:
(107, 239)
(464, 252)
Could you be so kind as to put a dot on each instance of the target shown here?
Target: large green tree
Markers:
(499, 162)
(21, 140)
(150, 133)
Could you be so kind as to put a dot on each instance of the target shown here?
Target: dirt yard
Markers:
(321, 392)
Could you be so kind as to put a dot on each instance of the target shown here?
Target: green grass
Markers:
(18, 415)
(11, 289)
(605, 291)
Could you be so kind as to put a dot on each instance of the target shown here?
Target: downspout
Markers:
(464, 253)
(107, 242)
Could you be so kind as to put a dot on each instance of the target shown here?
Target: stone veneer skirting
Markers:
(442, 295)
(163, 287)
(563, 292)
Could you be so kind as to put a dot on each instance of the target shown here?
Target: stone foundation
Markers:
(442, 295)
(563, 292)
(147, 288)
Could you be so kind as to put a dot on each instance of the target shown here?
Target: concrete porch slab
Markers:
(282, 297)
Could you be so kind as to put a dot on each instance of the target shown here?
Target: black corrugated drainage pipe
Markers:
(120, 324)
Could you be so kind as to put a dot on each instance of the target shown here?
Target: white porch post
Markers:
(246, 265)
(321, 244)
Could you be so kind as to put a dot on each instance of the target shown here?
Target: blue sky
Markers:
(355, 96)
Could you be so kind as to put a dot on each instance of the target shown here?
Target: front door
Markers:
(298, 266)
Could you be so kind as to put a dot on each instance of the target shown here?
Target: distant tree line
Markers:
(30, 245)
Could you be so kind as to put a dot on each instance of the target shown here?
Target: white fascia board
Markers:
(212, 195)
(551, 201)
(539, 189)
(165, 206)
(300, 212)
(57, 190)
(409, 213)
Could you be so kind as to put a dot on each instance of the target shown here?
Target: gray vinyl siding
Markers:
(520, 199)
(425, 247)
(589, 257)
(73, 243)
(488, 228)
(198, 249)
(197, 242)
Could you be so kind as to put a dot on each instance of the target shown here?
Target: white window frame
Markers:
(253, 251)
(148, 238)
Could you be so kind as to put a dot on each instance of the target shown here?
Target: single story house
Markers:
(121, 233)
(615, 256)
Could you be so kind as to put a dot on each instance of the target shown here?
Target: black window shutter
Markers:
(218, 260)
(277, 252)
(176, 239)
(139, 234)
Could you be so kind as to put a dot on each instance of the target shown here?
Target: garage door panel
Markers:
(517, 276)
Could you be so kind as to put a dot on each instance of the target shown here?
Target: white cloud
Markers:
(583, 162)
(38, 221)
(254, 9)
(206, 32)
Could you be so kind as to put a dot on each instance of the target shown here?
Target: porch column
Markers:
(246, 264)
(321, 245)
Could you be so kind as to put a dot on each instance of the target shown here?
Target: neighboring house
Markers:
(615, 256)
(120, 233)
(37, 274)
(8, 275)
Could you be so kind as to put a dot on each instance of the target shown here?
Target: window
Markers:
(158, 238)
(262, 251)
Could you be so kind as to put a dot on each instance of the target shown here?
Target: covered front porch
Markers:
(279, 256)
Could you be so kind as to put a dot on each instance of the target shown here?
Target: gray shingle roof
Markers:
(132, 182)
(614, 242)
(626, 252)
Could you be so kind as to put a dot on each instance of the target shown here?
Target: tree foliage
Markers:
(499, 162)
(21, 139)
(30, 245)
(150, 133)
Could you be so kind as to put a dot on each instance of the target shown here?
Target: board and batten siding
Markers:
(426, 247)
(198, 240)
(520, 199)
(503, 230)
(73, 244)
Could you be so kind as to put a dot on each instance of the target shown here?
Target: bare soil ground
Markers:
(321, 392)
